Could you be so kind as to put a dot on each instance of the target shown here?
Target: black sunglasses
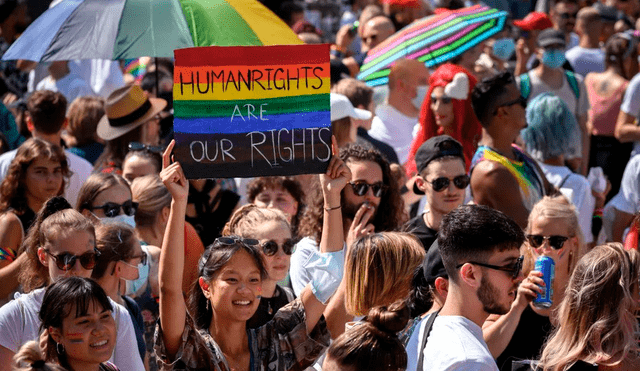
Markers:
(514, 268)
(556, 242)
(361, 188)
(228, 241)
(442, 183)
(112, 209)
(520, 100)
(443, 99)
(143, 258)
(136, 146)
(568, 15)
(270, 247)
(66, 261)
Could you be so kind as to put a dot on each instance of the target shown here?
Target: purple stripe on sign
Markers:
(243, 123)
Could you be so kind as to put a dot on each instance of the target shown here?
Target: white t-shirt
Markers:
(581, 195)
(80, 168)
(394, 128)
(456, 343)
(628, 198)
(71, 86)
(20, 323)
(631, 104)
(103, 76)
(585, 60)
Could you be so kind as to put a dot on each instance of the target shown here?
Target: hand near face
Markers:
(528, 289)
(360, 225)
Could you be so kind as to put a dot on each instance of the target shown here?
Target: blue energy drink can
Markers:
(547, 266)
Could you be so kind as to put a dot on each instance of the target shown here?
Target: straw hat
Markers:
(126, 109)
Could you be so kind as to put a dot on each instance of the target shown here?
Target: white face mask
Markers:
(122, 218)
(421, 92)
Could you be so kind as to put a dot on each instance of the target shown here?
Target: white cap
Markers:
(341, 107)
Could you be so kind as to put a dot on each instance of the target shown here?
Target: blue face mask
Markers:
(504, 48)
(553, 58)
(133, 286)
(421, 92)
(122, 218)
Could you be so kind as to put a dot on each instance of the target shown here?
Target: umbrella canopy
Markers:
(432, 40)
(125, 29)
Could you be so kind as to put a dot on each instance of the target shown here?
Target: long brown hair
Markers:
(96, 184)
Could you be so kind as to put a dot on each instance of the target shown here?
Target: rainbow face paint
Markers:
(75, 337)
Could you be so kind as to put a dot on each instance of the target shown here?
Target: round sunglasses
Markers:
(556, 242)
(270, 247)
(137, 146)
(112, 209)
(361, 188)
(66, 261)
(442, 183)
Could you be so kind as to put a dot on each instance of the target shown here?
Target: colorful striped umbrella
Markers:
(433, 40)
(126, 29)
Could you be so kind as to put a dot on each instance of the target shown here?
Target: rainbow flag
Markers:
(252, 110)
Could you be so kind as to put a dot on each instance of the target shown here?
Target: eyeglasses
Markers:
(443, 99)
(520, 100)
(65, 261)
(442, 183)
(513, 268)
(568, 15)
(136, 146)
(270, 247)
(361, 188)
(112, 209)
(556, 242)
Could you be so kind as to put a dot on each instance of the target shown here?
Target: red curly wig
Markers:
(467, 129)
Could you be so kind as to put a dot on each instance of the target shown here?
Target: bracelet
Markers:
(332, 208)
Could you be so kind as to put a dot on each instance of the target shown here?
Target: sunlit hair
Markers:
(617, 49)
(55, 220)
(379, 269)
(215, 257)
(47, 110)
(154, 158)
(96, 184)
(544, 137)
(597, 321)
(286, 183)
(30, 358)
(372, 345)
(13, 187)
(152, 197)
(115, 241)
(84, 114)
(246, 219)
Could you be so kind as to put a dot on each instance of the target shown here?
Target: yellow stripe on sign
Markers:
(270, 29)
(230, 91)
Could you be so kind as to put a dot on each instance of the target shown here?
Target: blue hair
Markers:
(551, 127)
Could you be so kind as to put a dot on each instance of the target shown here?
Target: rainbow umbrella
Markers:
(126, 29)
(433, 40)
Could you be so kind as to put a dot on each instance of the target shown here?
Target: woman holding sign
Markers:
(213, 335)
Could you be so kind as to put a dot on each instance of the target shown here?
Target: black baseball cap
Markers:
(434, 148)
(432, 266)
(550, 37)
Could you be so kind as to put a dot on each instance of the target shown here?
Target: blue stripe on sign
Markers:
(35, 41)
(207, 125)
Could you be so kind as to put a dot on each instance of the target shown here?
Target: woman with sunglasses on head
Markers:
(597, 325)
(552, 231)
(37, 173)
(141, 160)
(213, 334)
(106, 198)
(61, 243)
(80, 330)
(120, 264)
(271, 228)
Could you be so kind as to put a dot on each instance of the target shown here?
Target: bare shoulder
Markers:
(491, 173)
(9, 221)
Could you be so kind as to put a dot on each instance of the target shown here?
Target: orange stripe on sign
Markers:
(255, 73)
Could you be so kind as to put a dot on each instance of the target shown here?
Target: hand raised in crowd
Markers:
(337, 175)
(173, 177)
(528, 289)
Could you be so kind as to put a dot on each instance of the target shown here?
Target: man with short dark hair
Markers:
(563, 14)
(480, 249)
(502, 175)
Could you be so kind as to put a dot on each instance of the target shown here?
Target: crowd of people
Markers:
(417, 249)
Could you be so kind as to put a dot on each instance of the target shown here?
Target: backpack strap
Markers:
(564, 180)
(573, 82)
(525, 85)
(423, 340)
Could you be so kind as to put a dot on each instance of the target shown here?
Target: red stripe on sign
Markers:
(252, 55)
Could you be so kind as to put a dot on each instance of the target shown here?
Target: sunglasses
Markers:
(228, 241)
(143, 259)
(136, 146)
(112, 209)
(443, 99)
(520, 100)
(65, 261)
(556, 242)
(568, 15)
(442, 183)
(270, 247)
(361, 188)
(513, 269)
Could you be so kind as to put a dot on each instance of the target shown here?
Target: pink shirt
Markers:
(604, 111)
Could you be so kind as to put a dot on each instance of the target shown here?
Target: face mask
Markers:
(553, 58)
(132, 286)
(122, 218)
(504, 48)
(421, 92)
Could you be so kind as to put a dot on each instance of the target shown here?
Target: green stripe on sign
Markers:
(272, 106)
(216, 23)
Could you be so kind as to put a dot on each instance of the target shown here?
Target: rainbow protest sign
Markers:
(252, 110)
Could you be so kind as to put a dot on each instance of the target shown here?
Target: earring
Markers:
(59, 346)
(207, 304)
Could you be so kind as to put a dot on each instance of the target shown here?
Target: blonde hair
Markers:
(152, 196)
(379, 269)
(30, 358)
(247, 218)
(597, 322)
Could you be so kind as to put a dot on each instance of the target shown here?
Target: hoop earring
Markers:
(58, 346)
